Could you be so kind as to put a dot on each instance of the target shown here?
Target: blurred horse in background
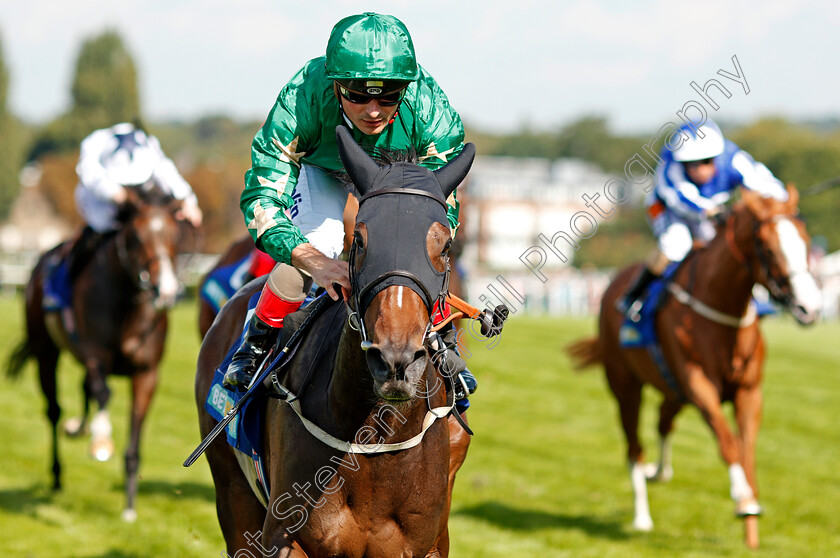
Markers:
(116, 324)
(710, 339)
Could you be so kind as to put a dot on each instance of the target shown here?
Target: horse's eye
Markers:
(446, 247)
(359, 242)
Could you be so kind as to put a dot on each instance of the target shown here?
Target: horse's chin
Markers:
(395, 391)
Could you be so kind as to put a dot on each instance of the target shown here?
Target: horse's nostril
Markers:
(376, 363)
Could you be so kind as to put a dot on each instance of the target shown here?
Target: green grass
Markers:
(545, 475)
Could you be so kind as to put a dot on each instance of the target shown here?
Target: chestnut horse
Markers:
(370, 375)
(711, 342)
(119, 306)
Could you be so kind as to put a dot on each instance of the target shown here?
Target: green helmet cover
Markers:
(369, 46)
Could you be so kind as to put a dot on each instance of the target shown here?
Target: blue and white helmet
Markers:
(706, 142)
(130, 158)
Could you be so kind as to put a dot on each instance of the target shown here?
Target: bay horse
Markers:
(372, 375)
(711, 342)
(119, 305)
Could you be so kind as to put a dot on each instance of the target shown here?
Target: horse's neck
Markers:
(720, 279)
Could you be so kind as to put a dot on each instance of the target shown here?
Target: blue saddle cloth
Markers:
(58, 291)
(244, 433)
(223, 282)
(643, 333)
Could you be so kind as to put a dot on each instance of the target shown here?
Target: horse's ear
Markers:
(793, 198)
(456, 170)
(359, 165)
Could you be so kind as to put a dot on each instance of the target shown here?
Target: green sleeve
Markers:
(275, 166)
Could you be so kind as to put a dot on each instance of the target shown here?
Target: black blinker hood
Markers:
(399, 204)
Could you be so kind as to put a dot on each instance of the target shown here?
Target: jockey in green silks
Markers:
(293, 204)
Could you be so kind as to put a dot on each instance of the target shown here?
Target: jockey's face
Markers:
(371, 117)
(700, 172)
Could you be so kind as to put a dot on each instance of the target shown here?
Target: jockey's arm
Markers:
(271, 181)
(171, 181)
(757, 177)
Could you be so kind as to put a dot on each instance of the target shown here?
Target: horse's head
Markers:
(399, 262)
(147, 245)
(781, 254)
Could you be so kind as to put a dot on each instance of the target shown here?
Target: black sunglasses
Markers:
(387, 100)
(700, 162)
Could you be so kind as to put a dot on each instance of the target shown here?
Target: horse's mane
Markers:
(383, 157)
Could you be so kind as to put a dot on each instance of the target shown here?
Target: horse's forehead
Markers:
(157, 223)
(790, 235)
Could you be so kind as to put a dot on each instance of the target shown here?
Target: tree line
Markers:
(213, 153)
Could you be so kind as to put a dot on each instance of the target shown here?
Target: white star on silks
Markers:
(263, 219)
(279, 185)
(290, 154)
(433, 152)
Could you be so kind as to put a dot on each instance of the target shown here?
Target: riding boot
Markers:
(629, 304)
(260, 335)
(464, 382)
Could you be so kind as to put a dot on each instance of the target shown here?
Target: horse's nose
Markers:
(807, 298)
(397, 372)
(389, 362)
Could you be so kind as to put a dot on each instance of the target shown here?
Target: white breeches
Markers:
(319, 210)
(98, 212)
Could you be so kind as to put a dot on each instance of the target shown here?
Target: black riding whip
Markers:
(261, 376)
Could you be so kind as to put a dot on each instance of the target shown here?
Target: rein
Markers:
(683, 297)
(751, 315)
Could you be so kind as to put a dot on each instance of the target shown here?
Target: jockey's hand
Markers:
(120, 195)
(324, 271)
(713, 212)
(190, 212)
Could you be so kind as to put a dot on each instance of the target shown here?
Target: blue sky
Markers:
(502, 63)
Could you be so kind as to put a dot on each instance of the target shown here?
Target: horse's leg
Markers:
(101, 443)
(628, 393)
(47, 354)
(748, 407)
(142, 389)
(663, 471)
(705, 396)
(77, 426)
